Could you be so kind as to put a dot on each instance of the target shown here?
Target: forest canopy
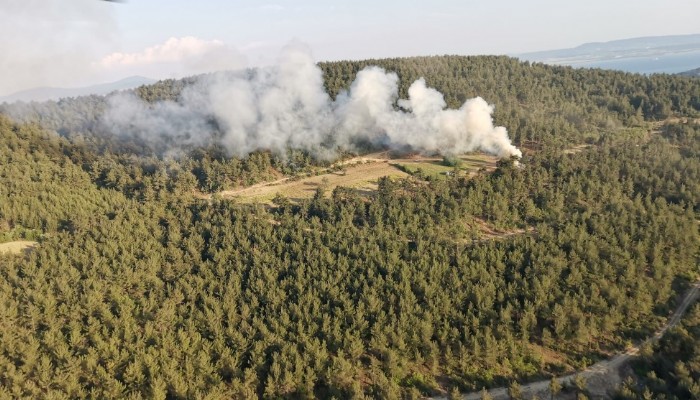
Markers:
(143, 288)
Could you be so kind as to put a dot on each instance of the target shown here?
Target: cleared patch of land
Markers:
(17, 246)
(359, 173)
(435, 166)
(489, 232)
(361, 177)
(577, 149)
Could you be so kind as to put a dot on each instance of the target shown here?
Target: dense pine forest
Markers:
(142, 287)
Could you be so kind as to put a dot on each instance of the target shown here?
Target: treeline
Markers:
(393, 295)
(542, 106)
(538, 102)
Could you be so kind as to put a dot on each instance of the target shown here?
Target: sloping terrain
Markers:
(603, 377)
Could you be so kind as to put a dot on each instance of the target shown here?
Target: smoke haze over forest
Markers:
(286, 106)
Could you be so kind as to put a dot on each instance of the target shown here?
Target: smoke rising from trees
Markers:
(286, 106)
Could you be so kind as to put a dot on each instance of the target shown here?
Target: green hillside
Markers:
(142, 287)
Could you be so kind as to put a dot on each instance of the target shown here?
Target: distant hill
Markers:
(50, 93)
(669, 54)
(693, 72)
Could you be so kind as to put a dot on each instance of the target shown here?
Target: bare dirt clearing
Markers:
(17, 246)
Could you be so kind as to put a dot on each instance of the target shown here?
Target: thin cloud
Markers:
(176, 57)
(272, 7)
(173, 50)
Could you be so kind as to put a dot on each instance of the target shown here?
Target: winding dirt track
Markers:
(599, 369)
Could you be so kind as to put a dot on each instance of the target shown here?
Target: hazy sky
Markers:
(77, 42)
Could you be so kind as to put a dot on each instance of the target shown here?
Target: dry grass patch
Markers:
(435, 166)
(486, 231)
(362, 177)
(17, 246)
(552, 358)
(577, 149)
(360, 173)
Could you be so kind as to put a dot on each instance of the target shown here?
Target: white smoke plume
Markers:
(286, 106)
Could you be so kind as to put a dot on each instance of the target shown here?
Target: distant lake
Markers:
(670, 63)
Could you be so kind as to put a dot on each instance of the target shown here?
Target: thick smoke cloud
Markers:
(286, 106)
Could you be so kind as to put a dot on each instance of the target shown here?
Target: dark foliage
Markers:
(139, 289)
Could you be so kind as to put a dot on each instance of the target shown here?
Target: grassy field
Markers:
(362, 177)
(435, 167)
(432, 168)
(360, 173)
(16, 247)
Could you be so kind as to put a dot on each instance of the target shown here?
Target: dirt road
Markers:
(598, 374)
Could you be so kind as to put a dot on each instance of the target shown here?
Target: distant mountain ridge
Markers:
(51, 93)
(693, 73)
(671, 54)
